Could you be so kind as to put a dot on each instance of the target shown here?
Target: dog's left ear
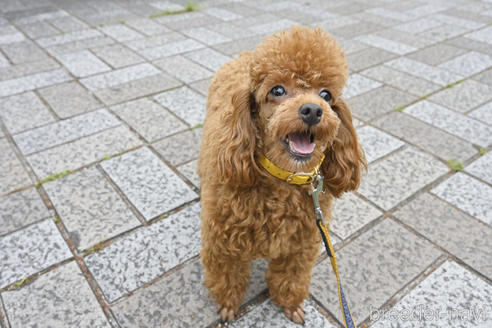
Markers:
(345, 159)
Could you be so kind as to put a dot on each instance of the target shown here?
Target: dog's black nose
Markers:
(310, 114)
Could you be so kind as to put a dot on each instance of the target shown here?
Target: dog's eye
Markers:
(278, 91)
(325, 94)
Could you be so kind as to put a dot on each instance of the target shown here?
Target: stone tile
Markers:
(201, 86)
(151, 186)
(367, 57)
(357, 84)
(443, 32)
(39, 15)
(69, 99)
(148, 251)
(370, 273)
(68, 37)
(10, 35)
(350, 213)
(451, 229)
(120, 76)
(187, 104)
(222, 14)
(33, 81)
(400, 175)
(79, 45)
(452, 122)
(352, 46)
(417, 41)
(483, 35)
(464, 96)
(268, 314)
(147, 26)
(189, 170)
(22, 52)
(167, 6)
(82, 63)
(424, 71)
(23, 112)
(183, 69)
(37, 30)
(208, 58)
(149, 119)
(68, 23)
(483, 113)
(468, 64)
(233, 32)
(31, 250)
(400, 80)
(465, 23)
(154, 41)
(353, 30)
(273, 27)
(12, 173)
(376, 143)
(336, 22)
(120, 32)
(388, 45)
(450, 295)
(378, 102)
(419, 25)
(172, 299)
(3, 61)
(427, 137)
(15, 71)
(137, 88)
(170, 49)
(180, 148)
(258, 19)
(83, 151)
(484, 77)
(117, 55)
(470, 44)
(89, 208)
(437, 54)
(50, 301)
(21, 209)
(205, 35)
(237, 46)
(64, 131)
(467, 194)
(393, 14)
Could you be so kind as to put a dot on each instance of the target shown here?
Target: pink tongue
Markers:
(301, 143)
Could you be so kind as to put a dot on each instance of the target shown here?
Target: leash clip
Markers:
(317, 185)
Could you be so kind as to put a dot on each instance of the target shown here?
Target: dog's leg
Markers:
(288, 279)
(227, 280)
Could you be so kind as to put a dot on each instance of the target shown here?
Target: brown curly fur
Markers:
(246, 212)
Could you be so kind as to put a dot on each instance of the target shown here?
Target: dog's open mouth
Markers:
(299, 145)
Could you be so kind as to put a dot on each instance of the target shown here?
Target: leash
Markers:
(347, 316)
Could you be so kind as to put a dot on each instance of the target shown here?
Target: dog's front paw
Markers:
(227, 314)
(296, 315)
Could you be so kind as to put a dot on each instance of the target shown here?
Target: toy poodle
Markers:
(279, 105)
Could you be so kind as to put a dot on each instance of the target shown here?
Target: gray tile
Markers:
(386, 44)
(357, 84)
(372, 268)
(468, 64)
(201, 86)
(12, 173)
(64, 131)
(483, 113)
(148, 183)
(233, 32)
(209, 58)
(451, 229)
(351, 46)
(149, 119)
(222, 14)
(468, 194)
(268, 314)
(180, 148)
(451, 20)
(24, 111)
(205, 35)
(350, 213)
(437, 54)
(82, 63)
(31, 250)
(69, 99)
(154, 41)
(120, 33)
(79, 45)
(367, 57)
(117, 55)
(51, 301)
(398, 176)
(452, 122)
(353, 30)
(272, 27)
(463, 96)
(83, 151)
(189, 170)
(424, 71)
(68, 23)
(89, 208)
(417, 41)
(22, 52)
(377, 102)
(10, 35)
(39, 29)
(237, 46)
(393, 14)
(137, 88)
(483, 35)
(376, 143)
(3, 61)
(147, 26)
(484, 77)
(185, 103)
(31, 82)
(68, 37)
(120, 76)
(471, 44)
(21, 209)
(443, 32)
(147, 253)
(427, 137)
(183, 69)
(172, 299)
(19, 70)
(400, 80)
(419, 25)
(170, 49)
(446, 297)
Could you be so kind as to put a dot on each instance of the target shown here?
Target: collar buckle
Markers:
(309, 177)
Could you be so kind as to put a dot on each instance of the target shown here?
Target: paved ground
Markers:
(114, 91)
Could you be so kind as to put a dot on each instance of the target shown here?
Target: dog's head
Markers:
(291, 110)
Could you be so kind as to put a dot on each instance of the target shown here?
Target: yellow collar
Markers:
(297, 178)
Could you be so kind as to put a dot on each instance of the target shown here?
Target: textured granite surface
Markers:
(12, 173)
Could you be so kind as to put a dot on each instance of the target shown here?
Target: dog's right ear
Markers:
(236, 143)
